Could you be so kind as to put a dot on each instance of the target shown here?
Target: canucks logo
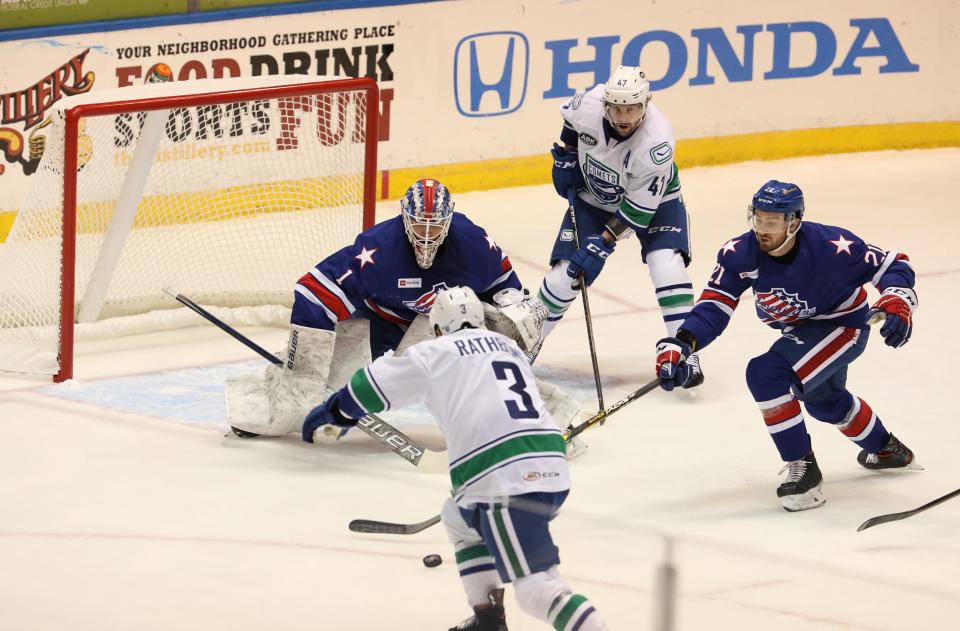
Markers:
(603, 181)
(425, 301)
(781, 306)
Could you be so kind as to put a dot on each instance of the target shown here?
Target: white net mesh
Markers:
(229, 204)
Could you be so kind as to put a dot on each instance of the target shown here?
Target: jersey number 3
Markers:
(507, 371)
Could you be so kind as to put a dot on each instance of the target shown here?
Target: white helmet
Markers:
(627, 86)
(454, 308)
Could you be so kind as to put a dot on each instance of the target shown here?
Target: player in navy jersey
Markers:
(808, 284)
(367, 297)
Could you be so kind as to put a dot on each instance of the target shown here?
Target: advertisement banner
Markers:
(477, 85)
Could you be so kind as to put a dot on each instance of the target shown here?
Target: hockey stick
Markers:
(390, 528)
(399, 443)
(602, 415)
(382, 527)
(571, 197)
(883, 519)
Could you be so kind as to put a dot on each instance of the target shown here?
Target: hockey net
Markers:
(226, 190)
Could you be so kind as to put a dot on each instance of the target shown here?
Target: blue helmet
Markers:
(778, 197)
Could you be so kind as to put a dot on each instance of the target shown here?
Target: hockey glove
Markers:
(327, 413)
(590, 258)
(566, 170)
(896, 307)
(672, 367)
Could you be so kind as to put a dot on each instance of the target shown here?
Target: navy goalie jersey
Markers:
(821, 278)
(378, 277)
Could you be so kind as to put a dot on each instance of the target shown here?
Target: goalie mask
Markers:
(427, 212)
(455, 308)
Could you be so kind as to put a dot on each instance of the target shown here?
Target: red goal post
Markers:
(227, 190)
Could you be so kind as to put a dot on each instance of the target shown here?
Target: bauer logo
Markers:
(490, 73)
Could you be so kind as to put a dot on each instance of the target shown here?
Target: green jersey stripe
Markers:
(560, 622)
(473, 552)
(639, 218)
(674, 184)
(531, 443)
(365, 392)
(508, 549)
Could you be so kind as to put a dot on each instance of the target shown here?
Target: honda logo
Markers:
(490, 73)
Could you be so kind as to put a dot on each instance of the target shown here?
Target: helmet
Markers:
(783, 204)
(627, 87)
(427, 212)
(778, 197)
(454, 308)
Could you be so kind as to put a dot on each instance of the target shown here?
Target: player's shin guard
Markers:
(545, 596)
(673, 287)
(769, 378)
(557, 293)
(863, 427)
(478, 573)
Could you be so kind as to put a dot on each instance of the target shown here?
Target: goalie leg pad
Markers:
(418, 331)
(351, 351)
(564, 409)
(291, 389)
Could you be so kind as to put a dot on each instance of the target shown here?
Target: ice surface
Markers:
(122, 505)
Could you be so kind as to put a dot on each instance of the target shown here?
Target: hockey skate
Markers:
(696, 374)
(801, 490)
(893, 455)
(489, 617)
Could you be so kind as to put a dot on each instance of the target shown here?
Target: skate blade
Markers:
(805, 501)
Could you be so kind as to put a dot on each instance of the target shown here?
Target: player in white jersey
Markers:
(617, 155)
(508, 468)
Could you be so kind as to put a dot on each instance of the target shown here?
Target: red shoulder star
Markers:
(730, 246)
(842, 245)
(366, 256)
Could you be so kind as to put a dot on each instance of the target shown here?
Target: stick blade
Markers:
(377, 527)
(883, 519)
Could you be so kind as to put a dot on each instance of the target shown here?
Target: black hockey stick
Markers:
(602, 415)
(399, 443)
(390, 528)
(383, 527)
(571, 197)
(883, 519)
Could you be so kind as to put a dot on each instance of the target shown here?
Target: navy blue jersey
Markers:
(822, 278)
(378, 276)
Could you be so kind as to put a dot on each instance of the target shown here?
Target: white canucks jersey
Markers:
(479, 386)
(630, 177)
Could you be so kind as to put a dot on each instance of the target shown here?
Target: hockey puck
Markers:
(432, 560)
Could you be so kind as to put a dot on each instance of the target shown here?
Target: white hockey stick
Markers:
(399, 443)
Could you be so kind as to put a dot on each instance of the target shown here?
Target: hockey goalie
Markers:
(372, 298)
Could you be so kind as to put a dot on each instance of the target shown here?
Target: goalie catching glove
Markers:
(520, 317)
